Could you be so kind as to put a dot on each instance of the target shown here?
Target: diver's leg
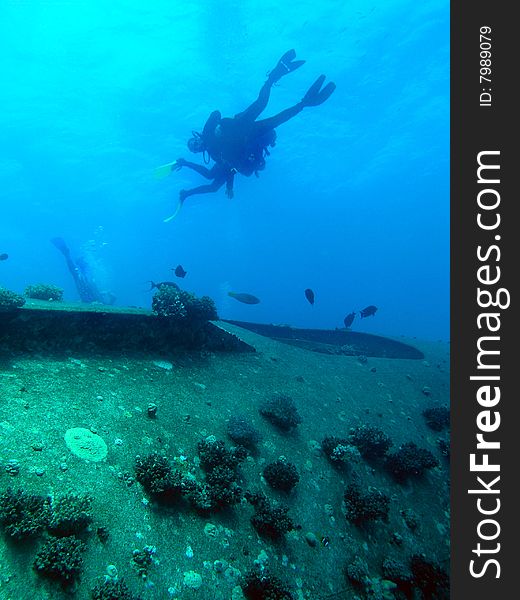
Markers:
(77, 277)
(258, 106)
(314, 97)
(202, 189)
(86, 289)
(285, 65)
(261, 127)
(204, 171)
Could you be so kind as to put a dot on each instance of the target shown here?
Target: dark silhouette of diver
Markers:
(219, 172)
(240, 144)
(87, 289)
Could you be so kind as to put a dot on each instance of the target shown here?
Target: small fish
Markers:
(244, 298)
(4, 256)
(369, 311)
(348, 319)
(309, 294)
(179, 271)
(163, 283)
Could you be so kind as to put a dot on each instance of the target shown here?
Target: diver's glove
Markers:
(178, 164)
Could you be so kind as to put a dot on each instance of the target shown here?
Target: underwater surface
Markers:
(154, 443)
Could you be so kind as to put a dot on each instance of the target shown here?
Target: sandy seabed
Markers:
(41, 397)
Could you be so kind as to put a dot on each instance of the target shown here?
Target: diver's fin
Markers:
(326, 92)
(285, 65)
(315, 88)
(177, 211)
(315, 95)
(61, 245)
(164, 170)
(289, 56)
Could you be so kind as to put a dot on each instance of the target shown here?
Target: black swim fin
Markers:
(315, 95)
(285, 65)
(61, 245)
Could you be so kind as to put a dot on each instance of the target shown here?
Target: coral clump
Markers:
(370, 441)
(183, 306)
(60, 559)
(167, 302)
(360, 508)
(242, 432)
(430, 578)
(220, 488)
(437, 418)
(213, 453)
(223, 487)
(71, 514)
(112, 589)
(259, 584)
(396, 571)
(281, 475)
(44, 291)
(23, 515)
(199, 495)
(339, 451)
(270, 522)
(281, 411)
(142, 560)
(158, 478)
(410, 461)
(220, 491)
(221, 467)
(356, 571)
(10, 300)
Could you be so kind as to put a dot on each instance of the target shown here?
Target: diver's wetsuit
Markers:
(239, 142)
(219, 173)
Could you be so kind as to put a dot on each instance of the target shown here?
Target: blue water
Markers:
(354, 202)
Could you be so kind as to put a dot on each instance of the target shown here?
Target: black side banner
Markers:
(485, 260)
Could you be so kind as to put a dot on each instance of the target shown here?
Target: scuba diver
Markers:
(240, 144)
(87, 289)
(221, 172)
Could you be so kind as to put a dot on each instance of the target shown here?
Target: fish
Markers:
(309, 294)
(163, 283)
(369, 311)
(348, 319)
(4, 256)
(179, 271)
(244, 298)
